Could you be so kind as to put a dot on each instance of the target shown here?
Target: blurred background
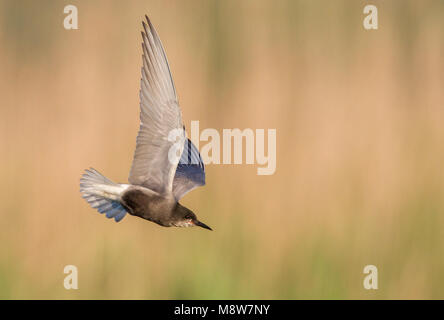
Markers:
(360, 136)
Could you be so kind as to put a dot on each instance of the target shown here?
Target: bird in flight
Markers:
(166, 164)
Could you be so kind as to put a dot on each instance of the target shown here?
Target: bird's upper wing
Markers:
(190, 171)
(160, 115)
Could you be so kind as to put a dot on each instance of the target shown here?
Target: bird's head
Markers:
(184, 217)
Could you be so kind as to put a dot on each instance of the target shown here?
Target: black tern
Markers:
(166, 164)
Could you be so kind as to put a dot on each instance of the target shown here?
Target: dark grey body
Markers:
(163, 210)
(149, 206)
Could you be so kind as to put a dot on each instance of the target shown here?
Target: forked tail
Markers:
(103, 194)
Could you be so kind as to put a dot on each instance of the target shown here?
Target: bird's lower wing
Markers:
(190, 172)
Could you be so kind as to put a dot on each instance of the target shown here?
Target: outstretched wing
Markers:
(190, 172)
(160, 115)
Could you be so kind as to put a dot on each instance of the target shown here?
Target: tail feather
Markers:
(120, 216)
(103, 194)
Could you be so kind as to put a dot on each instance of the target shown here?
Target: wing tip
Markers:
(148, 25)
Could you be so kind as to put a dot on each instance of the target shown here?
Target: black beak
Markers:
(203, 225)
